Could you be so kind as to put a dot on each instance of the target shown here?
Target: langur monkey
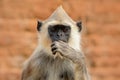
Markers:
(58, 55)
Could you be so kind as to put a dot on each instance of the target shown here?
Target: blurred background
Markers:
(100, 37)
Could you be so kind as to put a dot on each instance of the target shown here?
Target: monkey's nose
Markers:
(59, 35)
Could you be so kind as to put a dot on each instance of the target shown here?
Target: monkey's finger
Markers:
(61, 41)
(56, 51)
(55, 42)
(52, 44)
(53, 49)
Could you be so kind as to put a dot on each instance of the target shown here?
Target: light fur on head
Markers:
(59, 16)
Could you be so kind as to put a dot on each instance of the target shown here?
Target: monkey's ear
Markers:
(39, 24)
(79, 25)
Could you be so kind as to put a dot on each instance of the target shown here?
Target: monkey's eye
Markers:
(53, 29)
(65, 29)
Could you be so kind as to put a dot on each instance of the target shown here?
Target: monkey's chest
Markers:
(58, 70)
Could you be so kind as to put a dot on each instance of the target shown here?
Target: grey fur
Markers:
(45, 67)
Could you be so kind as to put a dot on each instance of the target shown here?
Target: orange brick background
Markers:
(101, 34)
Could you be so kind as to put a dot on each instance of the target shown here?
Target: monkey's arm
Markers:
(28, 72)
(25, 74)
(31, 71)
(76, 56)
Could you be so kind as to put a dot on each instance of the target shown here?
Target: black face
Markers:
(59, 32)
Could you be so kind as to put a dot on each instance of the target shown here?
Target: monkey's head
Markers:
(59, 27)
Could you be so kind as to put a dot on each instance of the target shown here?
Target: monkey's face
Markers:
(56, 31)
(59, 32)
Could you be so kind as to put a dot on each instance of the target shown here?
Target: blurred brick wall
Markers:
(101, 35)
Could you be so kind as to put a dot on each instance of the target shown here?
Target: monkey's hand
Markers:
(66, 51)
